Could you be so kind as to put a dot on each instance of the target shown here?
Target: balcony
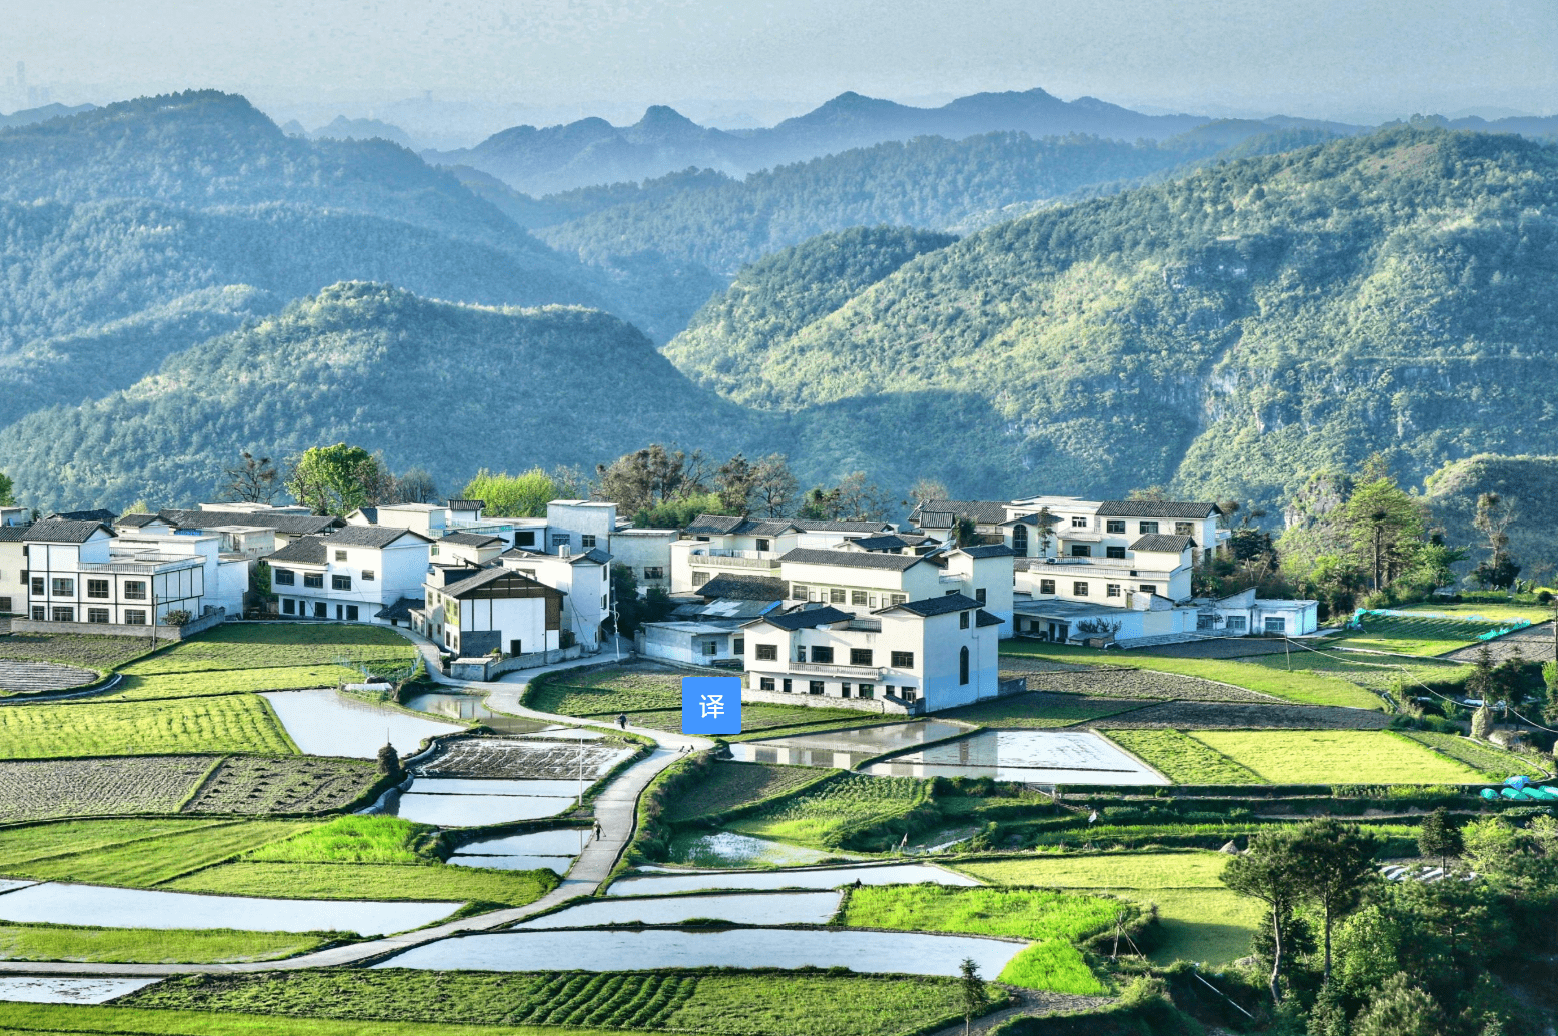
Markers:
(842, 672)
(747, 559)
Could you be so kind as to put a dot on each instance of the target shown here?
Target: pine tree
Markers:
(1439, 836)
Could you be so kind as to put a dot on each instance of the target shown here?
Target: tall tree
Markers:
(735, 480)
(928, 489)
(7, 491)
(774, 486)
(1336, 865)
(416, 486)
(512, 496)
(253, 479)
(860, 500)
(1386, 525)
(1494, 516)
(339, 479)
(1272, 872)
(1440, 836)
(651, 476)
(971, 991)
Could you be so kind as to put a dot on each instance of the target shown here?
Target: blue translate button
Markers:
(711, 705)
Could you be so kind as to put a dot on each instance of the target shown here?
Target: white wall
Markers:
(578, 519)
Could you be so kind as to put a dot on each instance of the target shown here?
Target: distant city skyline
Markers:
(756, 63)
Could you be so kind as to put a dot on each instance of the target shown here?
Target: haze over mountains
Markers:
(1223, 308)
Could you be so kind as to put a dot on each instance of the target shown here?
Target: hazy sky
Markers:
(1309, 57)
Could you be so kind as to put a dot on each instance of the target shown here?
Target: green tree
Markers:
(416, 486)
(1336, 865)
(1385, 523)
(1400, 1009)
(774, 486)
(1493, 518)
(735, 481)
(1272, 872)
(1328, 1017)
(971, 991)
(1440, 836)
(512, 496)
(651, 476)
(339, 479)
(7, 491)
(1481, 683)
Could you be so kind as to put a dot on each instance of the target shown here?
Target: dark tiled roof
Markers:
(287, 524)
(1163, 544)
(984, 618)
(305, 550)
(400, 610)
(369, 514)
(888, 543)
(807, 618)
(983, 512)
(851, 559)
(1156, 509)
(137, 521)
(806, 525)
(595, 554)
(12, 533)
(471, 539)
(989, 550)
(62, 532)
(466, 505)
(744, 588)
(371, 536)
(937, 605)
(715, 524)
(489, 575)
(101, 514)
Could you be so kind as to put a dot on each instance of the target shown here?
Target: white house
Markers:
(474, 613)
(916, 656)
(1106, 528)
(584, 579)
(350, 576)
(13, 570)
(466, 548)
(580, 526)
(436, 521)
(865, 581)
(1243, 612)
(939, 518)
(715, 544)
(285, 523)
(648, 553)
(702, 632)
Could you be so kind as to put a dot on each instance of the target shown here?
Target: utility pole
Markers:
(1287, 646)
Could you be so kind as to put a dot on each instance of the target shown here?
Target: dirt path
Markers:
(1030, 1004)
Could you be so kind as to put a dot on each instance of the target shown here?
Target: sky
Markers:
(758, 60)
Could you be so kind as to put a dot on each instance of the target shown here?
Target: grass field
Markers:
(1036, 914)
(102, 653)
(1200, 919)
(610, 690)
(254, 645)
(40, 789)
(1417, 635)
(745, 1004)
(1182, 759)
(148, 945)
(1495, 763)
(430, 882)
(116, 856)
(1368, 671)
(351, 839)
(1532, 613)
(1041, 710)
(1055, 966)
(1336, 757)
(1304, 688)
(31, 1019)
(234, 723)
(728, 785)
(825, 816)
(228, 681)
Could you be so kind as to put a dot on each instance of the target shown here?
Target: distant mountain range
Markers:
(28, 116)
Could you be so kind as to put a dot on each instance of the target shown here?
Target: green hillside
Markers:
(1226, 333)
(1531, 483)
(443, 386)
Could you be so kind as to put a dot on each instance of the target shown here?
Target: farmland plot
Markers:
(1337, 757)
(291, 784)
(44, 789)
(1181, 759)
(100, 653)
(267, 645)
(235, 723)
(828, 813)
(41, 677)
(524, 758)
(228, 681)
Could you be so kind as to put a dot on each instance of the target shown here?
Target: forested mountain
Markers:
(28, 116)
(442, 386)
(1528, 484)
(592, 151)
(1226, 333)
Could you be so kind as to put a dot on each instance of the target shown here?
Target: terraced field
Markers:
(295, 784)
(728, 785)
(827, 814)
(1425, 634)
(263, 645)
(1182, 759)
(234, 723)
(43, 789)
(1043, 710)
(1337, 757)
(98, 653)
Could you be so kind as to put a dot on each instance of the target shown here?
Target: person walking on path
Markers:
(598, 833)
(622, 720)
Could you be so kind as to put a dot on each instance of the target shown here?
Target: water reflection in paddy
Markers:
(902, 952)
(471, 707)
(728, 849)
(322, 722)
(37, 989)
(844, 749)
(1029, 756)
(820, 878)
(773, 908)
(553, 850)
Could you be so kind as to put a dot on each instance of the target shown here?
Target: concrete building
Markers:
(286, 523)
(648, 553)
(865, 581)
(350, 576)
(475, 613)
(585, 582)
(713, 544)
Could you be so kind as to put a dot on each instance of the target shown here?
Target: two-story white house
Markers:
(939, 518)
(351, 575)
(476, 612)
(648, 553)
(861, 581)
(580, 526)
(585, 581)
(715, 544)
(916, 656)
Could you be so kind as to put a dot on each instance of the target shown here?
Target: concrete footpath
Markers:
(616, 807)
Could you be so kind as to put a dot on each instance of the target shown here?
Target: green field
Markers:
(255, 645)
(351, 839)
(826, 815)
(1532, 613)
(1369, 671)
(148, 945)
(1495, 763)
(745, 1004)
(1041, 710)
(1416, 635)
(52, 1019)
(100, 653)
(1055, 966)
(1336, 757)
(1301, 687)
(228, 681)
(286, 784)
(430, 882)
(727, 785)
(1198, 917)
(234, 723)
(134, 853)
(1182, 759)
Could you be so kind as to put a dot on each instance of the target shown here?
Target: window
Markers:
(367, 575)
(1238, 624)
(1184, 529)
(1081, 550)
(433, 551)
(789, 685)
(908, 694)
(62, 588)
(97, 615)
(654, 573)
(37, 586)
(135, 590)
(822, 655)
(844, 690)
(1020, 539)
(1079, 588)
(765, 683)
(351, 613)
(963, 665)
(797, 592)
(767, 653)
(1112, 590)
(586, 542)
(800, 652)
(1115, 526)
(5, 604)
(1147, 528)
(279, 576)
(1148, 588)
(903, 659)
(865, 690)
(898, 599)
(39, 613)
(710, 648)
(979, 595)
(818, 687)
(1117, 553)
(835, 597)
(603, 602)
(319, 610)
(857, 598)
(314, 580)
(63, 615)
(860, 656)
(699, 578)
(762, 545)
(1078, 521)
(1046, 586)
(524, 539)
(340, 582)
(338, 613)
(962, 620)
(97, 588)
(288, 606)
(1276, 624)
(951, 593)
(340, 555)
